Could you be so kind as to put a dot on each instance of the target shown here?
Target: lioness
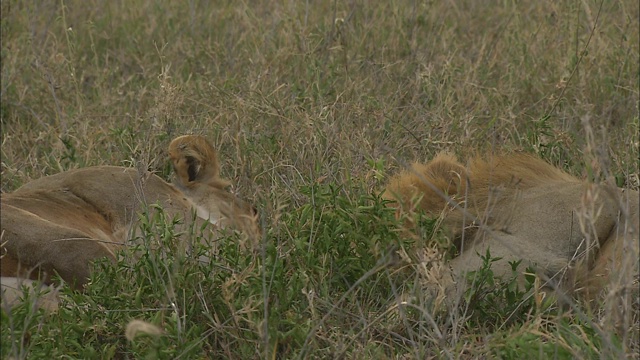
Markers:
(576, 234)
(59, 224)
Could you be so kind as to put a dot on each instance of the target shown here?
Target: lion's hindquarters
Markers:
(617, 265)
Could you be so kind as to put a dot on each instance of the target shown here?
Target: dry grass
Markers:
(296, 94)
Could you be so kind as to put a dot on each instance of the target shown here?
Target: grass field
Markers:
(312, 106)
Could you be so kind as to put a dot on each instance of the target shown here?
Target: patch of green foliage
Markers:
(290, 295)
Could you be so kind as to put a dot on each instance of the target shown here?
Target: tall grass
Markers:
(312, 104)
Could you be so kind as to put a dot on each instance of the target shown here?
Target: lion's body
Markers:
(61, 223)
(520, 207)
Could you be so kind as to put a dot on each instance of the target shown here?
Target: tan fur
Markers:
(41, 296)
(520, 207)
(61, 223)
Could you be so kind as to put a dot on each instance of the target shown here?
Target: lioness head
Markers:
(197, 175)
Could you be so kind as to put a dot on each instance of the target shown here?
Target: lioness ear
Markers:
(194, 160)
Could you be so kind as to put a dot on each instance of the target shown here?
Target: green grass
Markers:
(312, 105)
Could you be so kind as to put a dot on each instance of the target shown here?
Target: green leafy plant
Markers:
(496, 302)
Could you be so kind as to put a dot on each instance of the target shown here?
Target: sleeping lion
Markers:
(59, 224)
(580, 237)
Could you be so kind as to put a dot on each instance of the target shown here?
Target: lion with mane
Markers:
(578, 236)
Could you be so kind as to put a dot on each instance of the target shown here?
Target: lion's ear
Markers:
(194, 160)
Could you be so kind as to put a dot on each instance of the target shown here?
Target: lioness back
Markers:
(99, 200)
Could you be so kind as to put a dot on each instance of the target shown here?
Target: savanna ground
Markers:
(313, 105)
